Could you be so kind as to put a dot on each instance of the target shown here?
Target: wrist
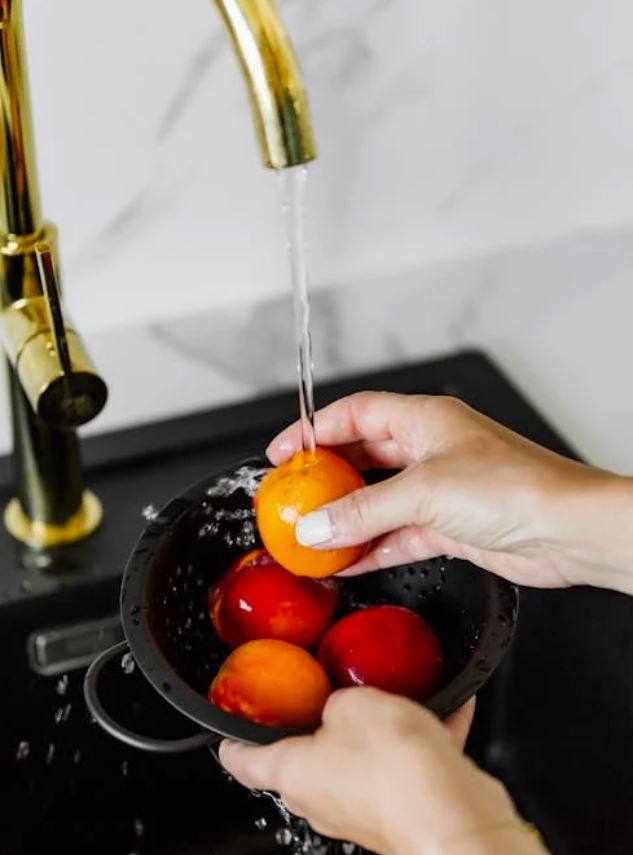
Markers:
(515, 837)
(512, 836)
(466, 813)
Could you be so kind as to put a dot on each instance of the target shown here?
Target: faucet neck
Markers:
(20, 203)
(275, 85)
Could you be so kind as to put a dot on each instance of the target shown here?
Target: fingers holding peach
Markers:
(303, 484)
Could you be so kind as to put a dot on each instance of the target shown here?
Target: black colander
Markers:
(190, 544)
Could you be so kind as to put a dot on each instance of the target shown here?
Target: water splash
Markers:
(150, 513)
(246, 479)
(127, 663)
(62, 714)
(297, 834)
(23, 750)
(236, 526)
(283, 836)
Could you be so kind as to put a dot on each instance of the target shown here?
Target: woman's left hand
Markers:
(382, 772)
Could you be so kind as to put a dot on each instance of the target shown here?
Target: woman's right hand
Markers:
(383, 772)
(470, 488)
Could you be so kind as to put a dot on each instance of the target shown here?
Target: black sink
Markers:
(556, 723)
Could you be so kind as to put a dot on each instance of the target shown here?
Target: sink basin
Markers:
(555, 723)
(66, 783)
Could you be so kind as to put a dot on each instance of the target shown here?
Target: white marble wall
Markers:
(475, 186)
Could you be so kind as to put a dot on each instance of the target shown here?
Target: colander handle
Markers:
(129, 737)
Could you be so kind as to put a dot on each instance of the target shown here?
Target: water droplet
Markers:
(348, 848)
(125, 768)
(135, 610)
(59, 714)
(50, 754)
(150, 512)
(166, 686)
(127, 663)
(139, 827)
(261, 823)
(283, 837)
(437, 588)
(66, 712)
(24, 749)
(62, 685)
(406, 589)
(411, 571)
(209, 529)
(77, 757)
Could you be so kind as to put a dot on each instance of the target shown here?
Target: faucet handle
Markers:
(53, 366)
(50, 286)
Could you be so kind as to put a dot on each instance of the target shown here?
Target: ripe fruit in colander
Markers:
(388, 647)
(274, 683)
(258, 598)
(302, 484)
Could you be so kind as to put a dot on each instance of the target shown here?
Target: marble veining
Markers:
(474, 189)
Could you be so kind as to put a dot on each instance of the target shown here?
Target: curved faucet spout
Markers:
(280, 105)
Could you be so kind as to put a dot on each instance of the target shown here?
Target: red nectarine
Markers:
(389, 647)
(258, 598)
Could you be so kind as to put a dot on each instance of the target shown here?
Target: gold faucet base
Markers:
(41, 534)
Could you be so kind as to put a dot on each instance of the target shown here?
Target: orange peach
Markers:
(274, 683)
(304, 483)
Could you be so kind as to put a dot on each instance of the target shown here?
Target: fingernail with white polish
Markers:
(314, 528)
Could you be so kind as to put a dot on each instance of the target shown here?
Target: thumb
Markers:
(365, 513)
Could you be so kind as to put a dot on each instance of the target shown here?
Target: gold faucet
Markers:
(53, 385)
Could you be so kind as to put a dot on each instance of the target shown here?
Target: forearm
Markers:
(509, 837)
(594, 517)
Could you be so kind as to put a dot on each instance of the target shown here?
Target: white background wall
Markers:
(450, 131)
